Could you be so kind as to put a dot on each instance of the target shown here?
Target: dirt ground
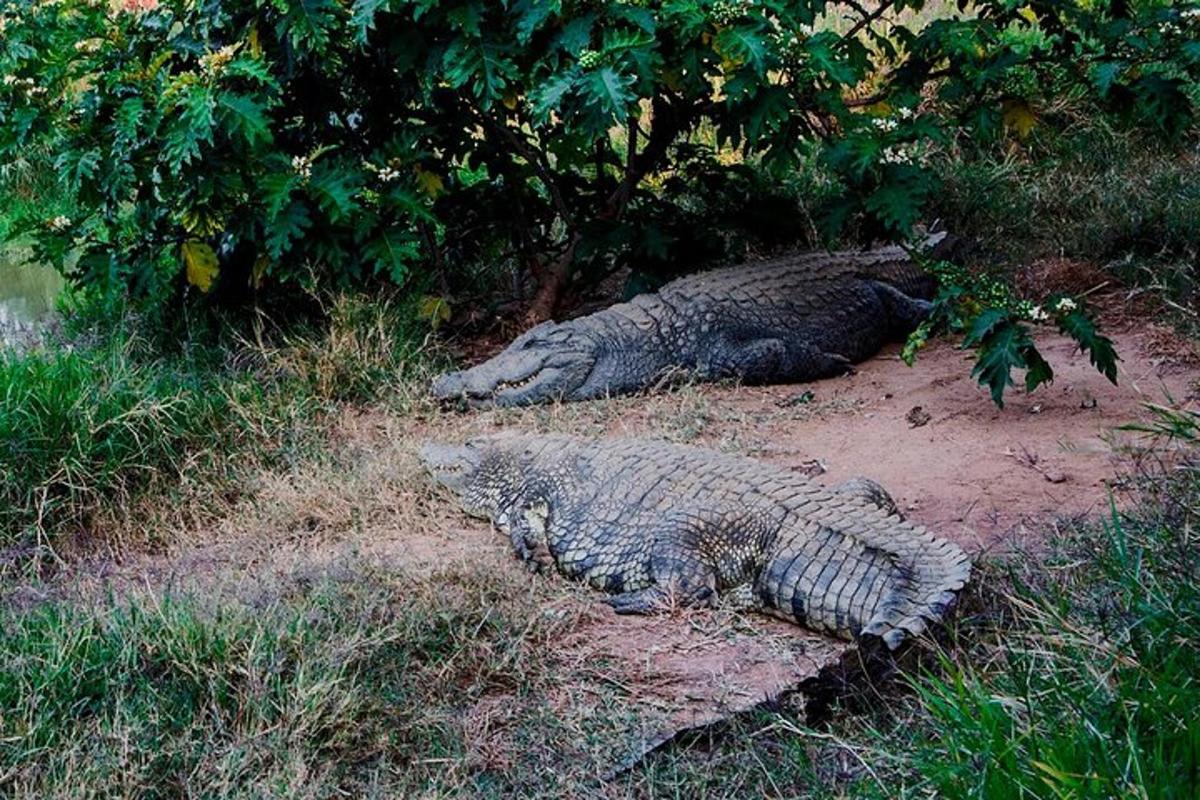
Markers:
(985, 477)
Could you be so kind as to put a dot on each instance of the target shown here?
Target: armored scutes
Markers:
(790, 319)
(653, 524)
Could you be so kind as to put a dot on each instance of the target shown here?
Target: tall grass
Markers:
(91, 425)
(1093, 690)
(1083, 189)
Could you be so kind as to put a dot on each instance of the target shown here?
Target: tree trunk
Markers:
(550, 290)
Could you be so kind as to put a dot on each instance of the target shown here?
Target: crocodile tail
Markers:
(854, 571)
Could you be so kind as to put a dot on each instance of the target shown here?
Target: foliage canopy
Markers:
(238, 146)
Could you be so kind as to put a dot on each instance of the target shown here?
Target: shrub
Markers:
(237, 144)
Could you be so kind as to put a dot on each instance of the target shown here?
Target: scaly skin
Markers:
(791, 319)
(657, 524)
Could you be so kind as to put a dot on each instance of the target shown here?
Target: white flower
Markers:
(1038, 314)
(1064, 305)
(59, 223)
(9, 80)
(1189, 13)
(303, 166)
(387, 175)
(884, 124)
(896, 155)
(905, 113)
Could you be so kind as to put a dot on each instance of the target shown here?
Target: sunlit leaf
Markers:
(201, 262)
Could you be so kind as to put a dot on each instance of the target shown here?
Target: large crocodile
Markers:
(657, 524)
(790, 319)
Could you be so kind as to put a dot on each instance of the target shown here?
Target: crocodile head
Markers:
(482, 474)
(549, 362)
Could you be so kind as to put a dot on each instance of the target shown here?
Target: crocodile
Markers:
(659, 525)
(790, 319)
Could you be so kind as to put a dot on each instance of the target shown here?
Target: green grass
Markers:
(90, 429)
(351, 686)
(1084, 190)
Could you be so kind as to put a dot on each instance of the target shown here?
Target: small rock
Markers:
(1054, 476)
(917, 417)
(1088, 402)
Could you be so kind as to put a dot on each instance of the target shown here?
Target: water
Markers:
(27, 295)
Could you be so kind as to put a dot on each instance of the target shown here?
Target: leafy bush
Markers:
(237, 144)
(995, 322)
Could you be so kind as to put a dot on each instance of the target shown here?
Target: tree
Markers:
(232, 145)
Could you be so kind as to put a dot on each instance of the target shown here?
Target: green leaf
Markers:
(246, 116)
(549, 95)
(988, 321)
(1104, 74)
(768, 113)
(1099, 348)
(277, 187)
(392, 253)
(897, 203)
(531, 14)
(742, 45)
(286, 228)
(608, 94)
(362, 17)
(576, 35)
(482, 65)
(334, 188)
(309, 24)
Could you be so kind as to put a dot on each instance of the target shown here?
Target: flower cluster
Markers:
(27, 84)
(59, 224)
(303, 166)
(215, 61)
(88, 45)
(590, 59)
(885, 124)
(387, 173)
(1036, 313)
(897, 154)
(726, 11)
(789, 44)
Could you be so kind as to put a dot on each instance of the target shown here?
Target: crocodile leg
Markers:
(904, 313)
(767, 360)
(870, 491)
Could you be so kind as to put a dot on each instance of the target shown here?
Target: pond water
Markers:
(27, 294)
